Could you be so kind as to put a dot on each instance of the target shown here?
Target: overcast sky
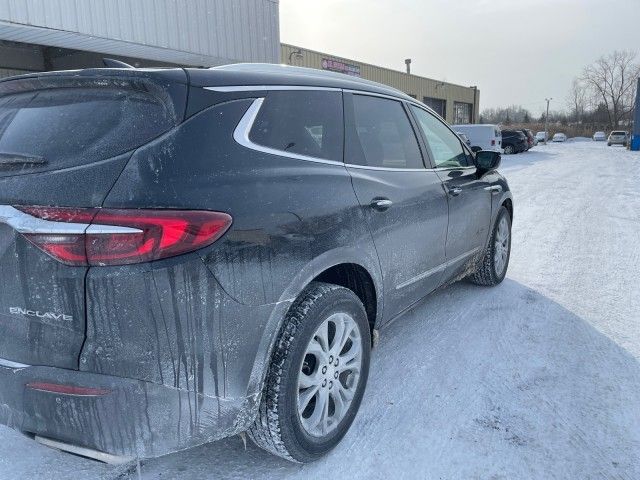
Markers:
(516, 51)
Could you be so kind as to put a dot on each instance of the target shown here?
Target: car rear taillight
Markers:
(98, 237)
(493, 142)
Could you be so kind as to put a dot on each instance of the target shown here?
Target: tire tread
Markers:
(266, 432)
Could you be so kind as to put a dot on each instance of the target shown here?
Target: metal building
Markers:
(37, 35)
(455, 103)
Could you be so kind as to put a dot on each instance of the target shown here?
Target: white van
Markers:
(487, 137)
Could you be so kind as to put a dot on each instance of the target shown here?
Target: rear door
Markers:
(404, 203)
(63, 142)
(469, 197)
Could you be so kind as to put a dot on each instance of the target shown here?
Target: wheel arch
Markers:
(508, 204)
(351, 268)
(357, 279)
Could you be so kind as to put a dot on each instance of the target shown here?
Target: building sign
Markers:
(340, 67)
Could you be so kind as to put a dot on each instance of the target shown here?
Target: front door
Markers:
(404, 203)
(469, 195)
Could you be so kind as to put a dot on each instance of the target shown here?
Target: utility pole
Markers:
(546, 121)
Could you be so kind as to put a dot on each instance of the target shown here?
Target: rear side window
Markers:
(58, 128)
(304, 122)
(381, 135)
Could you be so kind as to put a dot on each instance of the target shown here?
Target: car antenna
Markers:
(113, 63)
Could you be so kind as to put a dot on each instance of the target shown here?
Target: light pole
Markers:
(546, 121)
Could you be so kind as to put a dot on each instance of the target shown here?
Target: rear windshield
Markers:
(618, 133)
(59, 128)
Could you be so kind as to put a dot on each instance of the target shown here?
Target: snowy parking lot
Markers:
(536, 378)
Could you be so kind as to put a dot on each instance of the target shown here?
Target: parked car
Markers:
(542, 136)
(185, 255)
(599, 137)
(618, 137)
(559, 137)
(482, 136)
(514, 141)
(464, 138)
(531, 140)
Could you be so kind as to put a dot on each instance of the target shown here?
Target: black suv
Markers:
(514, 141)
(186, 254)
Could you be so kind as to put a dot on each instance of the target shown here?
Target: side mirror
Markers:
(476, 149)
(487, 160)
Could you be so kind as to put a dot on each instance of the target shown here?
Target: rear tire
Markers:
(310, 370)
(495, 261)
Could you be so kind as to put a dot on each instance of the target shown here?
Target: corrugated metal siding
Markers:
(219, 30)
(415, 85)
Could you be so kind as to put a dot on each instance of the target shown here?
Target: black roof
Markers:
(247, 74)
(239, 74)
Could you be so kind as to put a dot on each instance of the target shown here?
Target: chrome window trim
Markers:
(13, 365)
(266, 88)
(386, 169)
(243, 129)
(437, 269)
(446, 169)
(24, 223)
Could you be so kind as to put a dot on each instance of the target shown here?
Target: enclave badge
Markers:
(38, 314)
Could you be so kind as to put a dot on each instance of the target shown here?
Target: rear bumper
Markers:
(134, 418)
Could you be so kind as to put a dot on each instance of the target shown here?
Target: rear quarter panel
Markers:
(291, 220)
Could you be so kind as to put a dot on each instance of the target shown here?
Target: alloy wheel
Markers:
(329, 374)
(501, 247)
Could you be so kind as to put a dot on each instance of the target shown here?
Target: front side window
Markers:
(304, 122)
(446, 149)
(381, 135)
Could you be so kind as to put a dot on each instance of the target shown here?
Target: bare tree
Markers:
(577, 100)
(613, 79)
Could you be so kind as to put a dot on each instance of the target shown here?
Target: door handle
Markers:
(455, 191)
(380, 204)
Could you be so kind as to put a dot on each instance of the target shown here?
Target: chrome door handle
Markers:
(494, 189)
(380, 204)
(454, 192)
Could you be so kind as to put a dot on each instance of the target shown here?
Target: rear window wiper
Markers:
(20, 159)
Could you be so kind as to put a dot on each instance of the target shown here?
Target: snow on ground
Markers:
(537, 378)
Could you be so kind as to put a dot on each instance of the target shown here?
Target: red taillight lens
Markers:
(493, 142)
(121, 237)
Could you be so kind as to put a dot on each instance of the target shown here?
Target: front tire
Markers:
(495, 261)
(317, 376)
(508, 150)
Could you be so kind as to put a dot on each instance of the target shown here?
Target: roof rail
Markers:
(112, 63)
